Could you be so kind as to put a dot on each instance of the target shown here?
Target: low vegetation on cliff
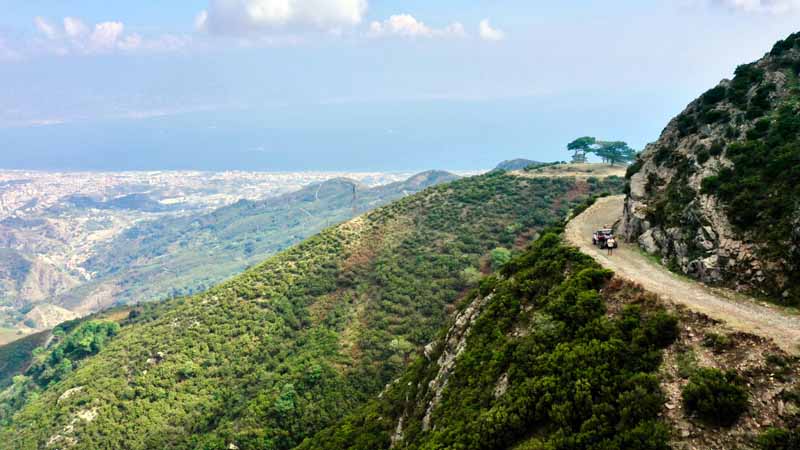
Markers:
(716, 195)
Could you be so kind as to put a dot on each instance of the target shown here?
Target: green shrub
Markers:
(775, 360)
(785, 45)
(717, 342)
(686, 362)
(745, 76)
(712, 116)
(716, 148)
(653, 183)
(703, 155)
(716, 397)
(760, 103)
(714, 95)
(499, 257)
(686, 124)
(779, 439)
(634, 168)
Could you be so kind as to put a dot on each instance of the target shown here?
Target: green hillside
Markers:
(15, 356)
(179, 256)
(290, 346)
(542, 367)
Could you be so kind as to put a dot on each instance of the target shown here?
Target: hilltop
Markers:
(516, 164)
(715, 197)
(576, 170)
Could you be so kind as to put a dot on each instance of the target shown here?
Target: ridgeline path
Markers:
(737, 311)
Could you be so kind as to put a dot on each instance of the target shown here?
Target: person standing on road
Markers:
(610, 244)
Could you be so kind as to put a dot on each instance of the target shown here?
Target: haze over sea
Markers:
(388, 136)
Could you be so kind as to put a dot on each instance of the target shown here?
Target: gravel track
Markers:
(739, 312)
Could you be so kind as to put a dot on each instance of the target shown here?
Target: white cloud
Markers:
(201, 21)
(74, 27)
(455, 29)
(487, 33)
(45, 27)
(401, 24)
(106, 35)
(76, 37)
(253, 16)
(130, 42)
(405, 25)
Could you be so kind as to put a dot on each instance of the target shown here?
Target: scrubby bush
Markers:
(716, 148)
(744, 78)
(714, 95)
(717, 342)
(686, 362)
(634, 168)
(499, 257)
(716, 397)
(779, 439)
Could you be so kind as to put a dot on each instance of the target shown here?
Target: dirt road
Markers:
(740, 313)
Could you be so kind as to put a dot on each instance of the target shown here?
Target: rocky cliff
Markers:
(716, 196)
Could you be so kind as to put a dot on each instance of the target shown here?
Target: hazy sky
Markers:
(355, 84)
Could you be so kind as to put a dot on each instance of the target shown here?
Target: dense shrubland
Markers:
(292, 345)
(573, 377)
(715, 396)
(180, 256)
(71, 342)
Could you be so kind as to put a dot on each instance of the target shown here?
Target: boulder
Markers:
(648, 242)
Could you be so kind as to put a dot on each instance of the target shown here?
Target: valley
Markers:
(54, 227)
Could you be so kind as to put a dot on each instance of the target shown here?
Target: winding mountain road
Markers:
(739, 312)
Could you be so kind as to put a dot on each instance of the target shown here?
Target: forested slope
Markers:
(285, 349)
(554, 352)
(15, 356)
(532, 362)
(179, 256)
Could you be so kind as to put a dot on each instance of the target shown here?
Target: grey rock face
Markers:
(648, 242)
(667, 213)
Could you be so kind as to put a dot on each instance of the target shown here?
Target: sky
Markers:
(356, 84)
